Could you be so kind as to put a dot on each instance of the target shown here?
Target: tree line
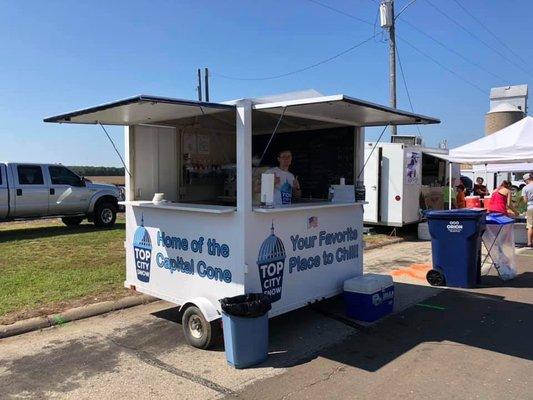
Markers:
(88, 170)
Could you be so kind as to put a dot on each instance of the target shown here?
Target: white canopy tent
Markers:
(511, 167)
(510, 145)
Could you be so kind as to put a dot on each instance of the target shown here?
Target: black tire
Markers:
(435, 278)
(105, 214)
(198, 332)
(72, 221)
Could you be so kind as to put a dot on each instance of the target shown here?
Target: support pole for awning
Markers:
(272, 135)
(450, 187)
(115, 147)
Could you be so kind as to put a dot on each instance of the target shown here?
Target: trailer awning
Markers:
(344, 110)
(140, 109)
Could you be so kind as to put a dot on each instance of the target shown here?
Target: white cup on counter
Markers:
(158, 198)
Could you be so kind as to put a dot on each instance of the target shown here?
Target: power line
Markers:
(341, 12)
(324, 61)
(406, 88)
(426, 55)
(443, 45)
(491, 32)
(478, 38)
(445, 67)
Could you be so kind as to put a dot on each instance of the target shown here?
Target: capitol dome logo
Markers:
(271, 263)
(142, 250)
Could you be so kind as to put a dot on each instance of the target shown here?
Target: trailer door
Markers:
(372, 174)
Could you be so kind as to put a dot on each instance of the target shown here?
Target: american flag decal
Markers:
(312, 222)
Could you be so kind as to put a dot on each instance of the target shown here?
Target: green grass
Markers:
(43, 263)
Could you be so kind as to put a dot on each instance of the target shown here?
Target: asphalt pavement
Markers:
(440, 343)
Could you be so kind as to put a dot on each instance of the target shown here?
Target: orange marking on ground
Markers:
(416, 271)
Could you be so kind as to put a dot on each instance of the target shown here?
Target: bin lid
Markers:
(463, 213)
(368, 283)
(498, 219)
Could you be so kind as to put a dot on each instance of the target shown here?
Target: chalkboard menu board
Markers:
(319, 158)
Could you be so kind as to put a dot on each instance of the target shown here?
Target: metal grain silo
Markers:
(501, 116)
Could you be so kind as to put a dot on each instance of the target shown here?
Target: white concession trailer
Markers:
(210, 238)
(401, 180)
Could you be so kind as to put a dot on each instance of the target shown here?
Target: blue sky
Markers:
(63, 55)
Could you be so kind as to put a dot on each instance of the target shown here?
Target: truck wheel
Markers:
(435, 278)
(105, 215)
(72, 221)
(198, 331)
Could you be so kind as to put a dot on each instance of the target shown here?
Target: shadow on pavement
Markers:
(424, 314)
(51, 231)
(451, 317)
(524, 280)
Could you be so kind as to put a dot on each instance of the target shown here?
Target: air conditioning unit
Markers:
(407, 140)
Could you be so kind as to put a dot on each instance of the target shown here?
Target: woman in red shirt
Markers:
(500, 201)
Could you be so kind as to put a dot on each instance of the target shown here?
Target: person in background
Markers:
(286, 185)
(517, 200)
(468, 184)
(501, 200)
(446, 195)
(527, 192)
(479, 188)
(460, 198)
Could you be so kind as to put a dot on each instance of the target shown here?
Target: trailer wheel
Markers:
(435, 278)
(198, 331)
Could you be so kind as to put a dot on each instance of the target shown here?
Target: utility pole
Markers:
(206, 76)
(199, 87)
(387, 17)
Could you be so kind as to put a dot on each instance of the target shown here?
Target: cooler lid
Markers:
(498, 219)
(368, 283)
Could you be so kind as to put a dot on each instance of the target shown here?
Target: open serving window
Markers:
(188, 149)
(183, 149)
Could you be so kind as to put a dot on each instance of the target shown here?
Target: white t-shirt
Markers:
(527, 192)
(283, 190)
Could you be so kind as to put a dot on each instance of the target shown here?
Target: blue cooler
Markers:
(369, 297)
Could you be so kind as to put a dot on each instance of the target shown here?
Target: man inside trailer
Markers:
(286, 185)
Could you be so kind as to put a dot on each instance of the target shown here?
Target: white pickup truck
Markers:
(29, 191)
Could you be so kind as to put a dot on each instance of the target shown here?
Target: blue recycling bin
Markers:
(245, 340)
(456, 246)
(245, 326)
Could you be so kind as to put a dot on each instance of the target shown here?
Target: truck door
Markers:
(31, 191)
(4, 195)
(68, 194)
(372, 184)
